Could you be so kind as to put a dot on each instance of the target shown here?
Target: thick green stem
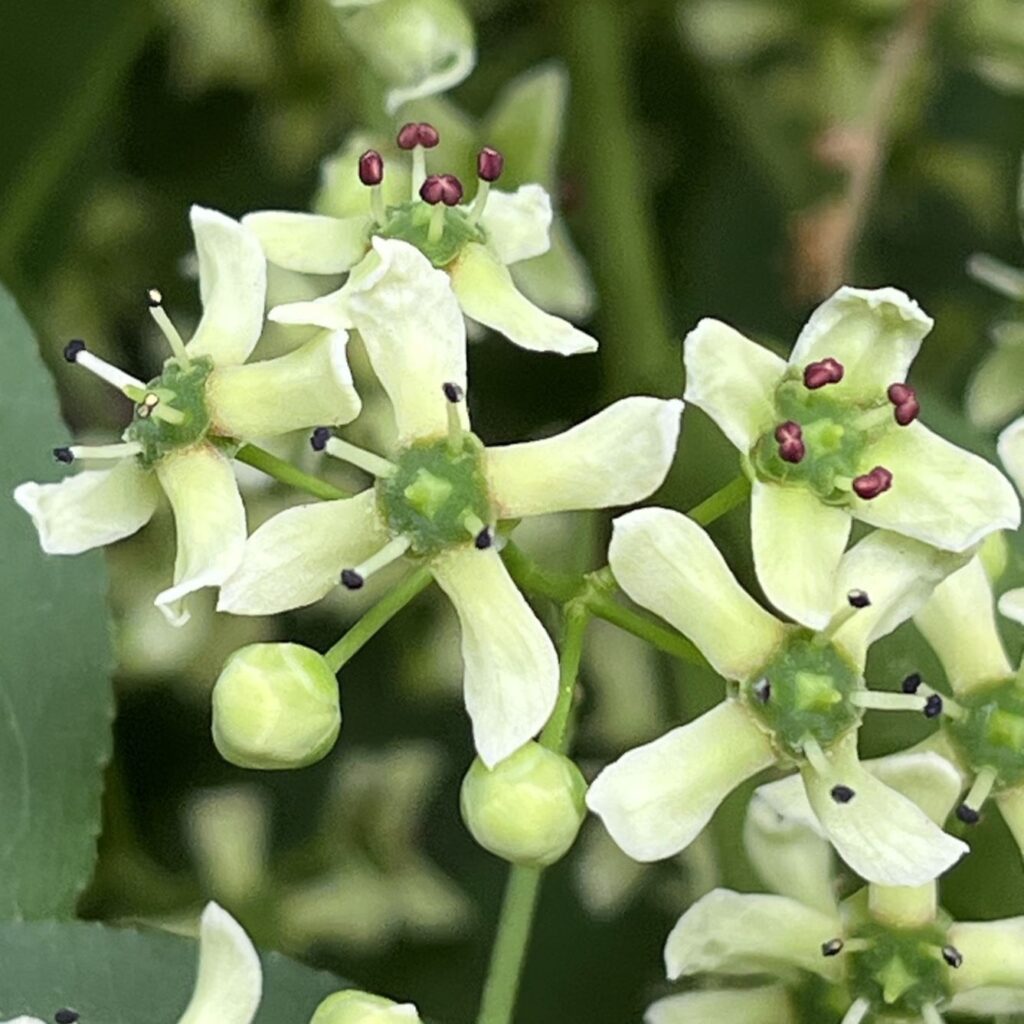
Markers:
(725, 500)
(279, 469)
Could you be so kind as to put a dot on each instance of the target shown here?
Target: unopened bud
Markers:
(275, 706)
(354, 1007)
(528, 808)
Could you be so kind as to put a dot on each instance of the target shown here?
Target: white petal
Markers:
(733, 380)
(614, 458)
(874, 333)
(232, 285)
(736, 933)
(559, 280)
(1011, 604)
(488, 295)
(656, 799)
(994, 395)
(668, 564)
(926, 778)
(310, 243)
(742, 1006)
(959, 622)
(91, 508)
(940, 493)
(898, 574)
(1011, 451)
(881, 835)
(209, 521)
(518, 223)
(988, 1002)
(308, 387)
(798, 543)
(993, 954)
(413, 331)
(230, 979)
(297, 556)
(511, 668)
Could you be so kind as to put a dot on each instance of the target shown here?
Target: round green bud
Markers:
(528, 808)
(275, 706)
(353, 1007)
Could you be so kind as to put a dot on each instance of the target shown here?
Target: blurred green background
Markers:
(708, 156)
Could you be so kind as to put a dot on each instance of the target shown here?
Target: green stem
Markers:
(377, 617)
(279, 469)
(724, 500)
(519, 905)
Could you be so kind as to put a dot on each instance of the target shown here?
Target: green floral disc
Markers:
(991, 733)
(411, 223)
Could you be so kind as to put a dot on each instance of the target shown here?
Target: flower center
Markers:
(417, 223)
(990, 732)
(805, 691)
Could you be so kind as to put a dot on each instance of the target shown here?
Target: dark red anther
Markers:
(489, 164)
(872, 484)
(791, 443)
(441, 188)
(371, 168)
(904, 397)
(828, 371)
(418, 134)
(428, 137)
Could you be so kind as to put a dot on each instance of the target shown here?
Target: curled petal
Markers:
(668, 564)
(993, 953)
(488, 295)
(656, 799)
(91, 508)
(232, 285)
(768, 1005)
(615, 458)
(518, 223)
(309, 242)
(297, 556)
(1011, 604)
(1011, 451)
(511, 668)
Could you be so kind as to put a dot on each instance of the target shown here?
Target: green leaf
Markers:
(121, 976)
(56, 701)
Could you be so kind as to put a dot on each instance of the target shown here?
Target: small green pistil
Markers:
(990, 734)
(437, 495)
(179, 388)
(804, 691)
(411, 223)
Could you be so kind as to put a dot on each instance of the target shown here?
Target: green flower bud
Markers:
(352, 1007)
(275, 706)
(528, 808)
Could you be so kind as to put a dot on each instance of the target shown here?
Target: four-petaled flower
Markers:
(190, 419)
(441, 495)
(832, 435)
(797, 698)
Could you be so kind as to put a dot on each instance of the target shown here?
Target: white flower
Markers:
(832, 435)
(189, 420)
(473, 243)
(442, 493)
(799, 699)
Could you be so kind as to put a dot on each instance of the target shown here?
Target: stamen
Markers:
(841, 794)
(353, 579)
(885, 700)
(828, 371)
(912, 683)
(953, 957)
(319, 438)
(871, 485)
(371, 174)
(969, 812)
(489, 165)
(930, 1015)
(484, 539)
(816, 756)
(763, 690)
(856, 1013)
(373, 464)
(440, 190)
(163, 321)
(100, 451)
(790, 440)
(66, 1016)
(454, 394)
(152, 406)
(76, 352)
(418, 137)
(63, 455)
(933, 706)
(856, 600)
(832, 948)
(904, 398)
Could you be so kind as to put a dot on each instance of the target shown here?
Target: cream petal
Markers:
(559, 280)
(993, 953)
(767, 1005)
(296, 557)
(798, 542)
(309, 242)
(209, 520)
(229, 983)
(1011, 806)
(1011, 451)
(988, 1002)
(898, 574)
(1011, 604)
(617, 457)
(232, 286)
(668, 564)
(994, 395)
(91, 508)
(734, 933)
(733, 380)
(509, 661)
(940, 493)
(882, 836)
(656, 799)
(413, 331)
(518, 223)
(488, 295)
(959, 623)
(309, 387)
(874, 333)
(329, 312)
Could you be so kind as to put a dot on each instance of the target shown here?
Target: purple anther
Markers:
(441, 188)
(832, 948)
(351, 580)
(484, 539)
(953, 957)
(968, 815)
(63, 455)
(842, 794)
(872, 484)
(371, 168)
(452, 392)
(790, 439)
(858, 599)
(912, 683)
(319, 438)
(828, 371)
(933, 706)
(489, 164)
(408, 136)
(73, 349)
